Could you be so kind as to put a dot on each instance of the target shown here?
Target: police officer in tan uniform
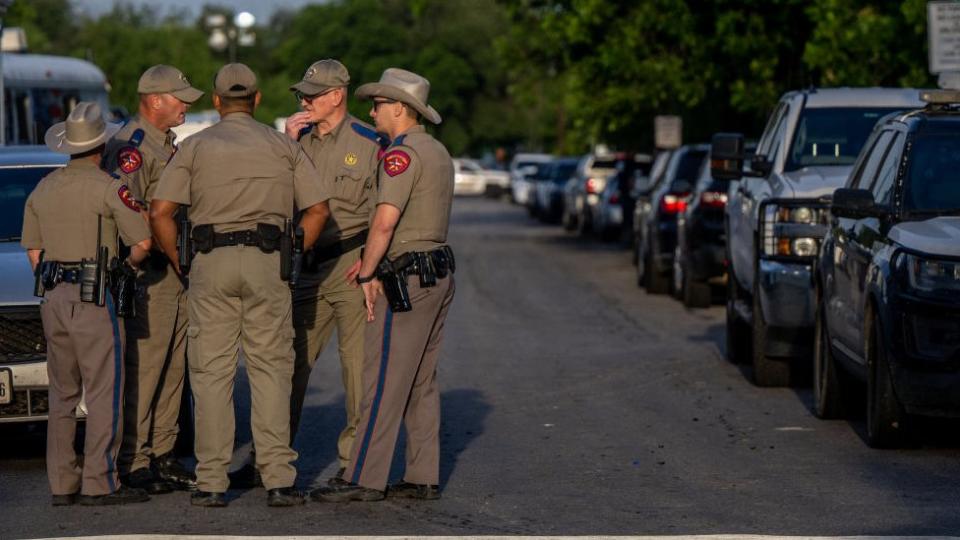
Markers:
(242, 180)
(402, 339)
(62, 220)
(344, 151)
(157, 336)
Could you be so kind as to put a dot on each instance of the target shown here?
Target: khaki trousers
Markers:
(400, 384)
(155, 366)
(237, 300)
(84, 353)
(324, 301)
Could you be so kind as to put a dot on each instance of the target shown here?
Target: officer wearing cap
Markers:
(406, 248)
(71, 213)
(157, 336)
(344, 151)
(241, 180)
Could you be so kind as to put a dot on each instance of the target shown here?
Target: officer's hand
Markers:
(352, 274)
(370, 291)
(296, 122)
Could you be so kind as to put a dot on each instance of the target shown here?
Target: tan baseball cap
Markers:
(322, 76)
(235, 80)
(162, 79)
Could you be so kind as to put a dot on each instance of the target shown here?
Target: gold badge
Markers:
(350, 159)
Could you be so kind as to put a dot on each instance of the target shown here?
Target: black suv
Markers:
(888, 276)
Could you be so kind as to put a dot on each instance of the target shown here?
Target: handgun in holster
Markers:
(39, 289)
(286, 250)
(394, 287)
(123, 285)
(184, 243)
(425, 268)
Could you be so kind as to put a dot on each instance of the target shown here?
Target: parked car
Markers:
(699, 260)
(642, 188)
(582, 192)
(23, 361)
(613, 215)
(888, 278)
(470, 178)
(656, 217)
(777, 213)
(550, 191)
(521, 167)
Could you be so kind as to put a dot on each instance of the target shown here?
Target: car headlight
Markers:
(932, 275)
(792, 230)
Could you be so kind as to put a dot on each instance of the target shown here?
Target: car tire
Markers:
(654, 280)
(828, 381)
(767, 371)
(696, 294)
(584, 225)
(568, 221)
(886, 419)
(737, 331)
(641, 263)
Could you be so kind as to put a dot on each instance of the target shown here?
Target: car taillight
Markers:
(673, 204)
(713, 199)
(593, 185)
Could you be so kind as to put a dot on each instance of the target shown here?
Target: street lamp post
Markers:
(228, 34)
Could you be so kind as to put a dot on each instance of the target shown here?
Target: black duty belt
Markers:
(236, 238)
(70, 272)
(439, 261)
(266, 237)
(336, 249)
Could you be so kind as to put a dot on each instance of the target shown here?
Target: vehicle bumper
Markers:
(925, 359)
(788, 302)
(708, 262)
(29, 401)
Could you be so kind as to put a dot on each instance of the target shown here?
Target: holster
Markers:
(185, 245)
(394, 287)
(123, 285)
(202, 237)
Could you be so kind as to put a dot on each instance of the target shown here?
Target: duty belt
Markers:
(440, 261)
(266, 237)
(236, 238)
(322, 254)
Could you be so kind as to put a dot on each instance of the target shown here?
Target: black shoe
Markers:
(124, 495)
(145, 479)
(406, 490)
(167, 467)
(246, 477)
(346, 492)
(338, 480)
(210, 499)
(64, 500)
(287, 496)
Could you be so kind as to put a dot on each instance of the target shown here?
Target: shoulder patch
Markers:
(395, 162)
(127, 198)
(129, 159)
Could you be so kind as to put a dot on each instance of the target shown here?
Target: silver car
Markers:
(23, 361)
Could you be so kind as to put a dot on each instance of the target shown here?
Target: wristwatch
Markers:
(368, 279)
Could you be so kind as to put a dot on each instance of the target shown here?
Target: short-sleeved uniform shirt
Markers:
(139, 164)
(347, 157)
(416, 176)
(62, 212)
(238, 173)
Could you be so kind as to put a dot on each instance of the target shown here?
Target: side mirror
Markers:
(852, 203)
(726, 156)
(761, 166)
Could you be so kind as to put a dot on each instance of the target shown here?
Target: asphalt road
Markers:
(573, 403)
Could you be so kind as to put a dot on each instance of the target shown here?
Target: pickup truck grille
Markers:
(26, 403)
(21, 335)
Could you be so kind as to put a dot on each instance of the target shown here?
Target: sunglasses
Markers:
(300, 96)
(378, 102)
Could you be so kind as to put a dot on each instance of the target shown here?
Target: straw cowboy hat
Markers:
(85, 129)
(403, 86)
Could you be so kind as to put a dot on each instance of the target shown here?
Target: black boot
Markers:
(246, 477)
(124, 495)
(146, 480)
(406, 490)
(338, 480)
(169, 468)
(210, 499)
(287, 496)
(345, 493)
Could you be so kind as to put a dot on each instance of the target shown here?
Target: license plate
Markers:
(6, 386)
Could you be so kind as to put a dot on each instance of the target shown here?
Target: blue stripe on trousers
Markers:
(117, 366)
(374, 409)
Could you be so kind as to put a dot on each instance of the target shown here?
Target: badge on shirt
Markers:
(395, 162)
(130, 160)
(127, 198)
(350, 159)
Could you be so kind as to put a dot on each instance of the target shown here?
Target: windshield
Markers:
(689, 166)
(831, 136)
(933, 175)
(562, 172)
(15, 185)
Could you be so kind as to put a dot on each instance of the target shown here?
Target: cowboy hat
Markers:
(404, 86)
(85, 129)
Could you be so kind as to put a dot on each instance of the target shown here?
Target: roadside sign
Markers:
(667, 132)
(943, 31)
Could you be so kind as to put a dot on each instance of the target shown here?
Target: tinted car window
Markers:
(689, 166)
(15, 185)
(604, 164)
(870, 166)
(931, 181)
(831, 136)
(562, 172)
(882, 188)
